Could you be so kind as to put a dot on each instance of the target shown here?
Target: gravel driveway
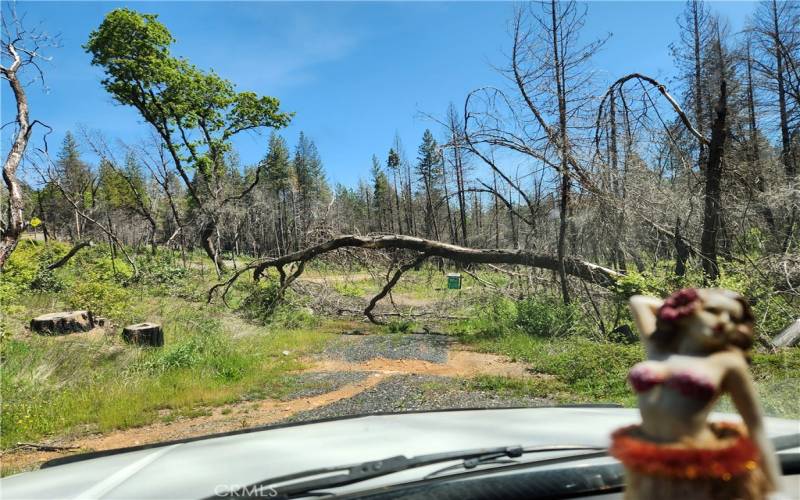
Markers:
(358, 348)
(417, 393)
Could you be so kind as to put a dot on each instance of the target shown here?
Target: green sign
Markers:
(454, 281)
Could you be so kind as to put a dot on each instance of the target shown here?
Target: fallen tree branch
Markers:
(390, 284)
(63, 260)
(591, 273)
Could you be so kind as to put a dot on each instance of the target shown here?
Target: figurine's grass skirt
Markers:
(727, 469)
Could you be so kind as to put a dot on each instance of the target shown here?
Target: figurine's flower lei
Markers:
(678, 305)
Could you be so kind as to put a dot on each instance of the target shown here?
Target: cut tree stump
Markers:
(789, 337)
(62, 323)
(149, 334)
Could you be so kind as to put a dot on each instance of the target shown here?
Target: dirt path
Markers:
(370, 360)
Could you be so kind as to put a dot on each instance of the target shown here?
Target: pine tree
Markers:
(381, 197)
(75, 177)
(312, 189)
(429, 170)
(278, 170)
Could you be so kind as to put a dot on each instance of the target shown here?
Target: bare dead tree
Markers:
(550, 81)
(20, 50)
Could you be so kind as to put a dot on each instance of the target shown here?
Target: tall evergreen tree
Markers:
(75, 177)
(278, 171)
(381, 196)
(429, 170)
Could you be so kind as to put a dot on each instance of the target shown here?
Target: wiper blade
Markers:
(501, 460)
(349, 474)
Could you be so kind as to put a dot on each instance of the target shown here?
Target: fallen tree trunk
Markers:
(63, 260)
(586, 271)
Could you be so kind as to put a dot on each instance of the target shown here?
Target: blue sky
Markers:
(355, 73)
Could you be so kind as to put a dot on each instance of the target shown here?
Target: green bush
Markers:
(101, 297)
(46, 280)
(261, 299)
(399, 326)
(262, 304)
(546, 316)
(494, 318)
(160, 270)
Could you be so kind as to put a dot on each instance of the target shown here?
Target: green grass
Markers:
(56, 386)
(77, 383)
(596, 372)
(214, 356)
(585, 370)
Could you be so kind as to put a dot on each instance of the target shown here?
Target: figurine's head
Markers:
(706, 319)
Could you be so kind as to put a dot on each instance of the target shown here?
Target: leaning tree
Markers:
(195, 113)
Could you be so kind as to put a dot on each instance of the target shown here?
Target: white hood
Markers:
(203, 467)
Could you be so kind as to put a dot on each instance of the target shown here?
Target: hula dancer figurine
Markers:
(696, 343)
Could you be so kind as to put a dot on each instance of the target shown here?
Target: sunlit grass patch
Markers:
(590, 371)
(53, 386)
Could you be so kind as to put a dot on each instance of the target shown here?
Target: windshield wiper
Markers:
(349, 474)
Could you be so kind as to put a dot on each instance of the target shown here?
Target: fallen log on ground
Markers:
(790, 337)
(425, 249)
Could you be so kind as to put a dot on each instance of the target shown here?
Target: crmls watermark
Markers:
(236, 490)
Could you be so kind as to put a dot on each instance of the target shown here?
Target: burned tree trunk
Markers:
(713, 174)
(208, 236)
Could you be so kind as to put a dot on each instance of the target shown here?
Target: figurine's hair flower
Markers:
(678, 305)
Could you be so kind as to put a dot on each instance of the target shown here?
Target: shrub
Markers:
(399, 326)
(349, 290)
(102, 297)
(262, 304)
(260, 300)
(546, 316)
(46, 280)
(495, 318)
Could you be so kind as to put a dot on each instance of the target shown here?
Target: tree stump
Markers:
(147, 334)
(62, 323)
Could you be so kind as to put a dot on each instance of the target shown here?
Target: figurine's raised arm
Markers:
(644, 310)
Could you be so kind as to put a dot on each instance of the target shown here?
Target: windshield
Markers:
(218, 216)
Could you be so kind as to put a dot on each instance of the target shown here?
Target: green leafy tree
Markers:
(195, 113)
(119, 189)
